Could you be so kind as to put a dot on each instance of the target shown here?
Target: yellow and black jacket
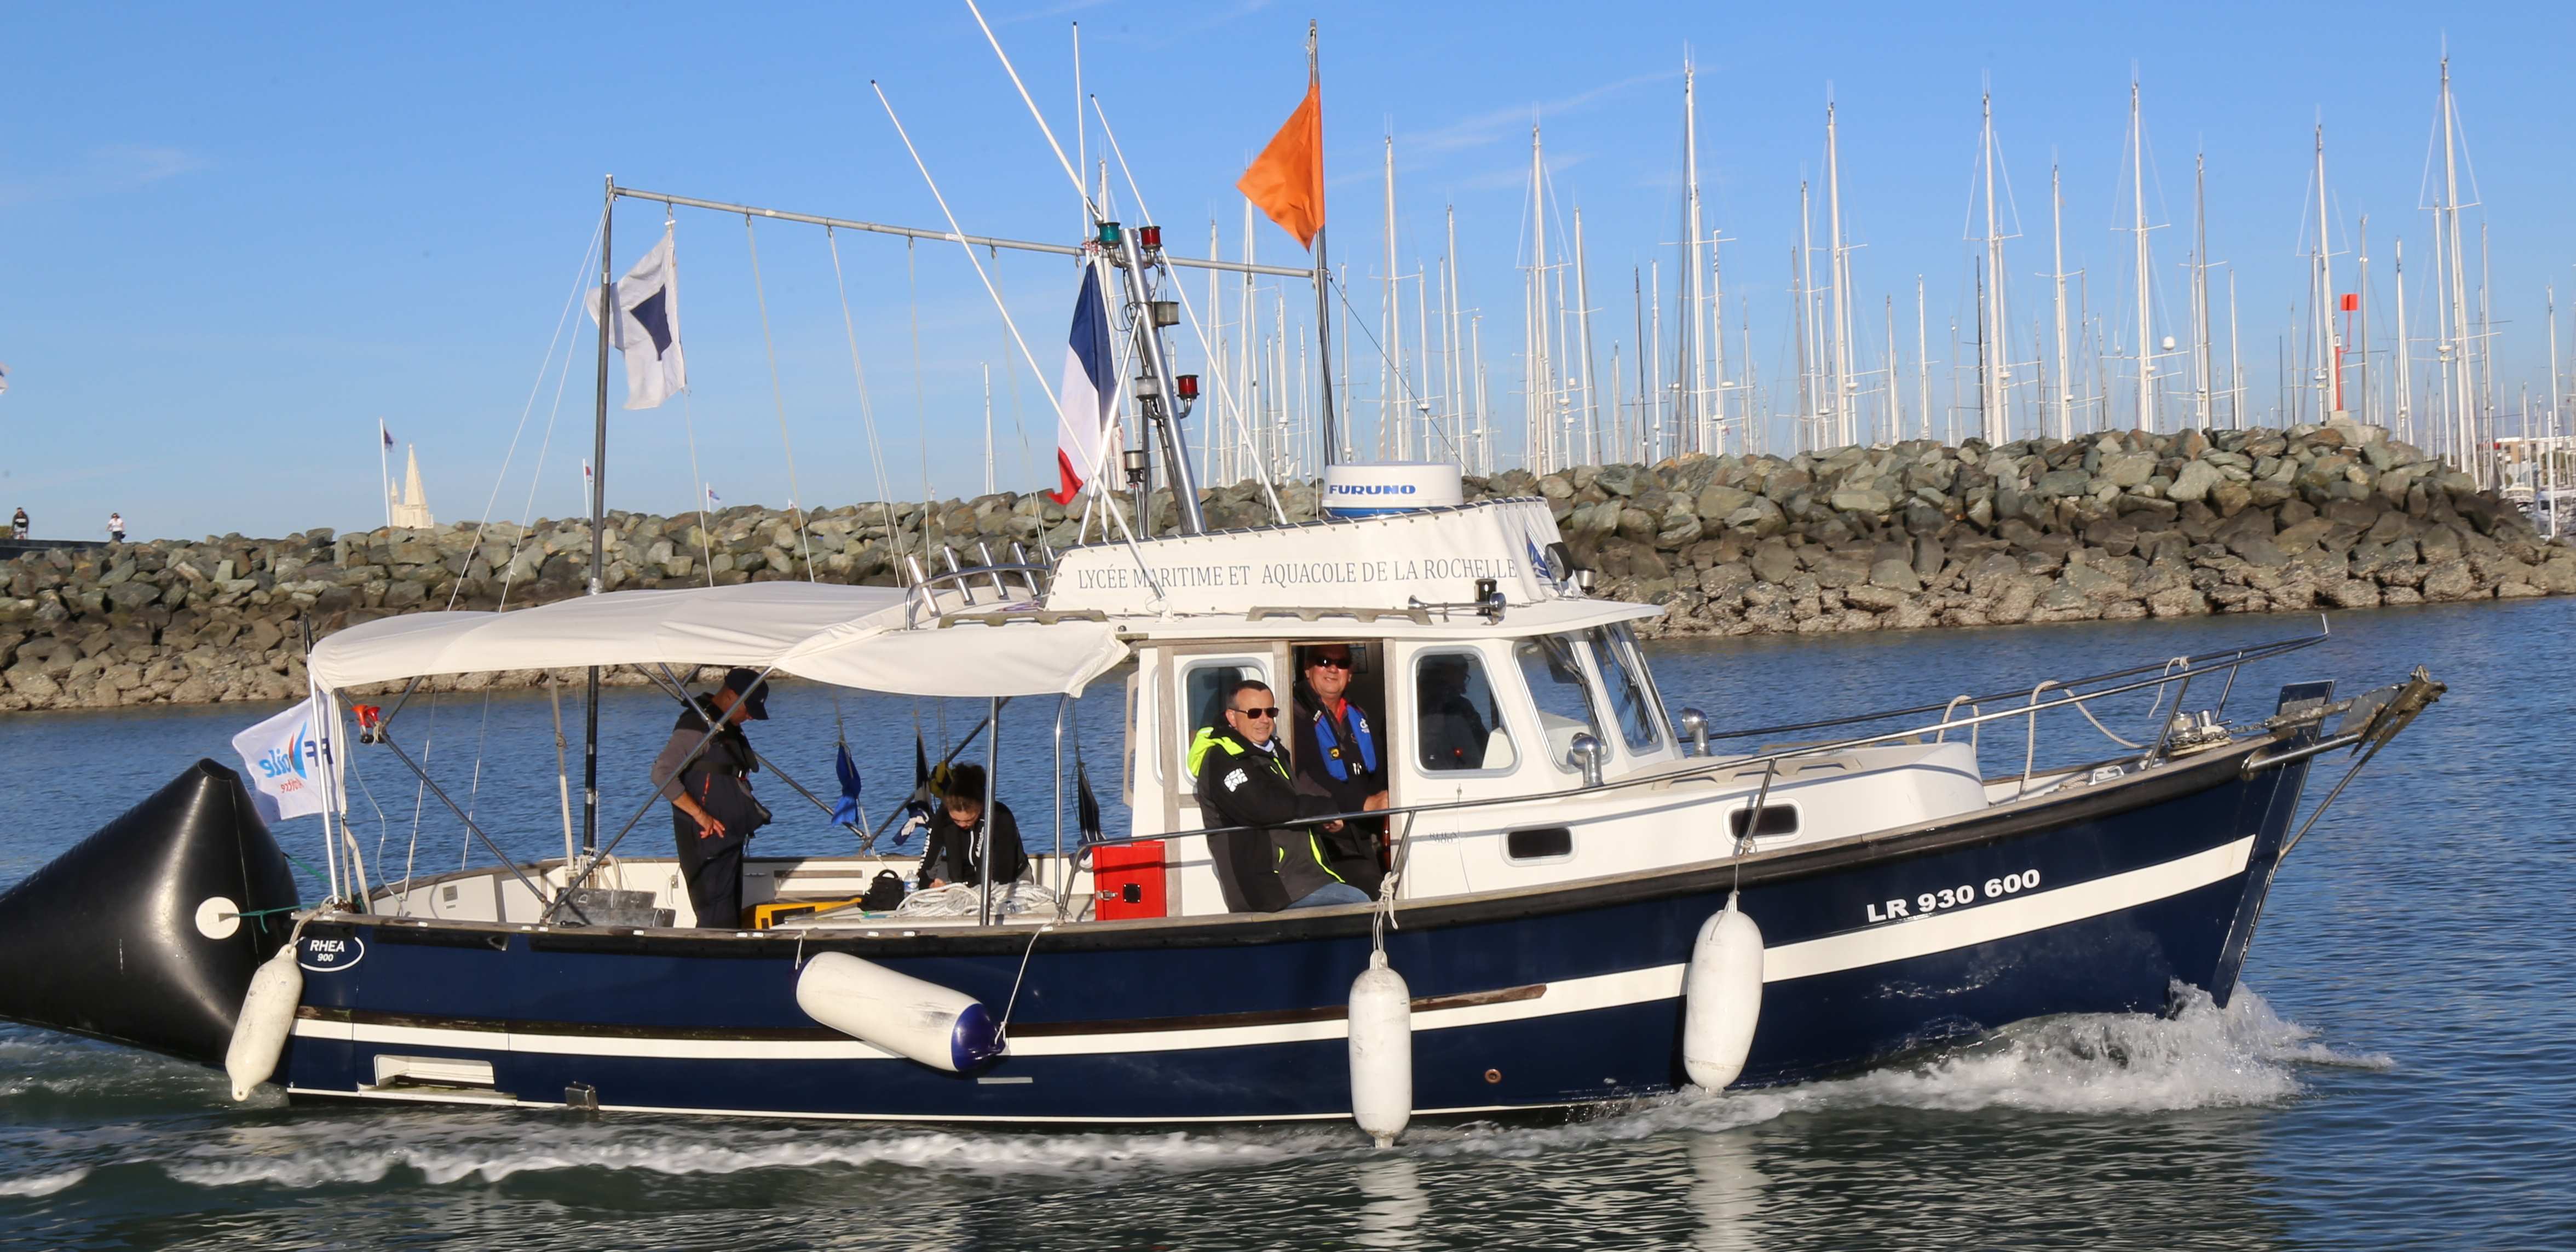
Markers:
(1278, 863)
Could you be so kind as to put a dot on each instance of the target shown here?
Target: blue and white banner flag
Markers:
(648, 327)
(282, 761)
(1087, 392)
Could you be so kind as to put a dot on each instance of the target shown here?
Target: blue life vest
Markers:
(1363, 740)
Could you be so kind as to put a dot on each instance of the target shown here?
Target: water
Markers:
(2400, 1075)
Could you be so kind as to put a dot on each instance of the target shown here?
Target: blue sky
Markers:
(231, 242)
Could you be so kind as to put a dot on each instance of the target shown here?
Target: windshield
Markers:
(1552, 666)
(1623, 672)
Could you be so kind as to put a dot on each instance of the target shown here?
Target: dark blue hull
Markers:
(2101, 901)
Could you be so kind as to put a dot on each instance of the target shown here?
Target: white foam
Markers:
(713, 1149)
(42, 1185)
(2203, 1057)
(2099, 1064)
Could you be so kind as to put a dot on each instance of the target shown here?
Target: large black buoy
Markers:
(147, 932)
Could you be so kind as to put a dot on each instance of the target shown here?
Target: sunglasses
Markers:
(1332, 662)
(1257, 713)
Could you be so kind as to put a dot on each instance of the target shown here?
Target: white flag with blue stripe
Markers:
(1084, 397)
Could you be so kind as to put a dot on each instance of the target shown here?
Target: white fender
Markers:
(1381, 1051)
(267, 1014)
(1722, 998)
(941, 1028)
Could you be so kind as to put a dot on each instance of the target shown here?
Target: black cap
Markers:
(749, 689)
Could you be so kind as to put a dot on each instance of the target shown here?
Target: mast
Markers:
(1798, 293)
(2235, 365)
(1922, 361)
(1420, 409)
(1247, 385)
(1996, 419)
(1694, 360)
(1583, 337)
(2457, 381)
(1323, 301)
(1846, 429)
(1895, 403)
(1390, 364)
(2138, 195)
(1457, 383)
(1651, 395)
(2057, 236)
(598, 518)
(2204, 408)
(2328, 348)
(1536, 349)
(2405, 380)
(2361, 333)
(1811, 361)
(1716, 442)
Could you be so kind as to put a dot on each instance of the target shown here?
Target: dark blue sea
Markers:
(2400, 1071)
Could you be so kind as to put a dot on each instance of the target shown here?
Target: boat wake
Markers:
(2204, 1057)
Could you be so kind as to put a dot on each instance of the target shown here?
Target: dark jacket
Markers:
(1343, 759)
(1278, 863)
(949, 852)
(719, 779)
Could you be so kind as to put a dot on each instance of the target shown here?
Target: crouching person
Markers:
(1244, 780)
(955, 849)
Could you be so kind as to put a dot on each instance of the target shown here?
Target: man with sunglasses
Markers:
(1243, 780)
(1339, 756)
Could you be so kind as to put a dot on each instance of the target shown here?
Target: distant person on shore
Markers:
(18, 525)
(116, 528)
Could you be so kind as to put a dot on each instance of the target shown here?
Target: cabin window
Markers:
(1623, 676)
(1777, 819)
(1544, 843)
(1458, 724)
(1553, 668)
(1204, 685)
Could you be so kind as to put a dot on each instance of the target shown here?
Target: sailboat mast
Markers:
(1326, 414)
(2361, 312)
(1534, 435)
(2138, 199)
(1922, 361)
(1995, 421)
(1456, 369)
(2405, 377)
(1583, 343)
(1695, 298)
(1846, 429)
(598, 518)
(2057, 244)
(2457, 379)
(1390, 368)
(1811, 361)
(2328, 349)
(2203, 409)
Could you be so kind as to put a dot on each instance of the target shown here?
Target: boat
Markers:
(1545, 909)
(1590, 895)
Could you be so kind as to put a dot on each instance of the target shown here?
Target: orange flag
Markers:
(1287, 179)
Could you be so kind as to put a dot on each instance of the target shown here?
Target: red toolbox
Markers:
(1129, 879)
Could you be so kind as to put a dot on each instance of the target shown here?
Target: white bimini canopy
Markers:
(847, 636)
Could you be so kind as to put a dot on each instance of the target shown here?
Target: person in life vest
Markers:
(713, 810)
(1340, 757)
(1243, 780)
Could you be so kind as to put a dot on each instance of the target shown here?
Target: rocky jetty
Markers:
(2117, 525)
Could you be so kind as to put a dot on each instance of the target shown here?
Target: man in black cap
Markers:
(713, 810)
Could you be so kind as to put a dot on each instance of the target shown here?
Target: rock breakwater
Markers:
(2110, 526)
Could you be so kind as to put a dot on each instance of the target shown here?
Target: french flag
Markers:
(1084, 396)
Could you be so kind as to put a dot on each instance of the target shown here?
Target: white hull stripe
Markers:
(501, 1101)
(1893, 941)
(1911, 937)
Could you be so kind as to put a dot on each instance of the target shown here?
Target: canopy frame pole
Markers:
(992, 818)
(563, 774)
